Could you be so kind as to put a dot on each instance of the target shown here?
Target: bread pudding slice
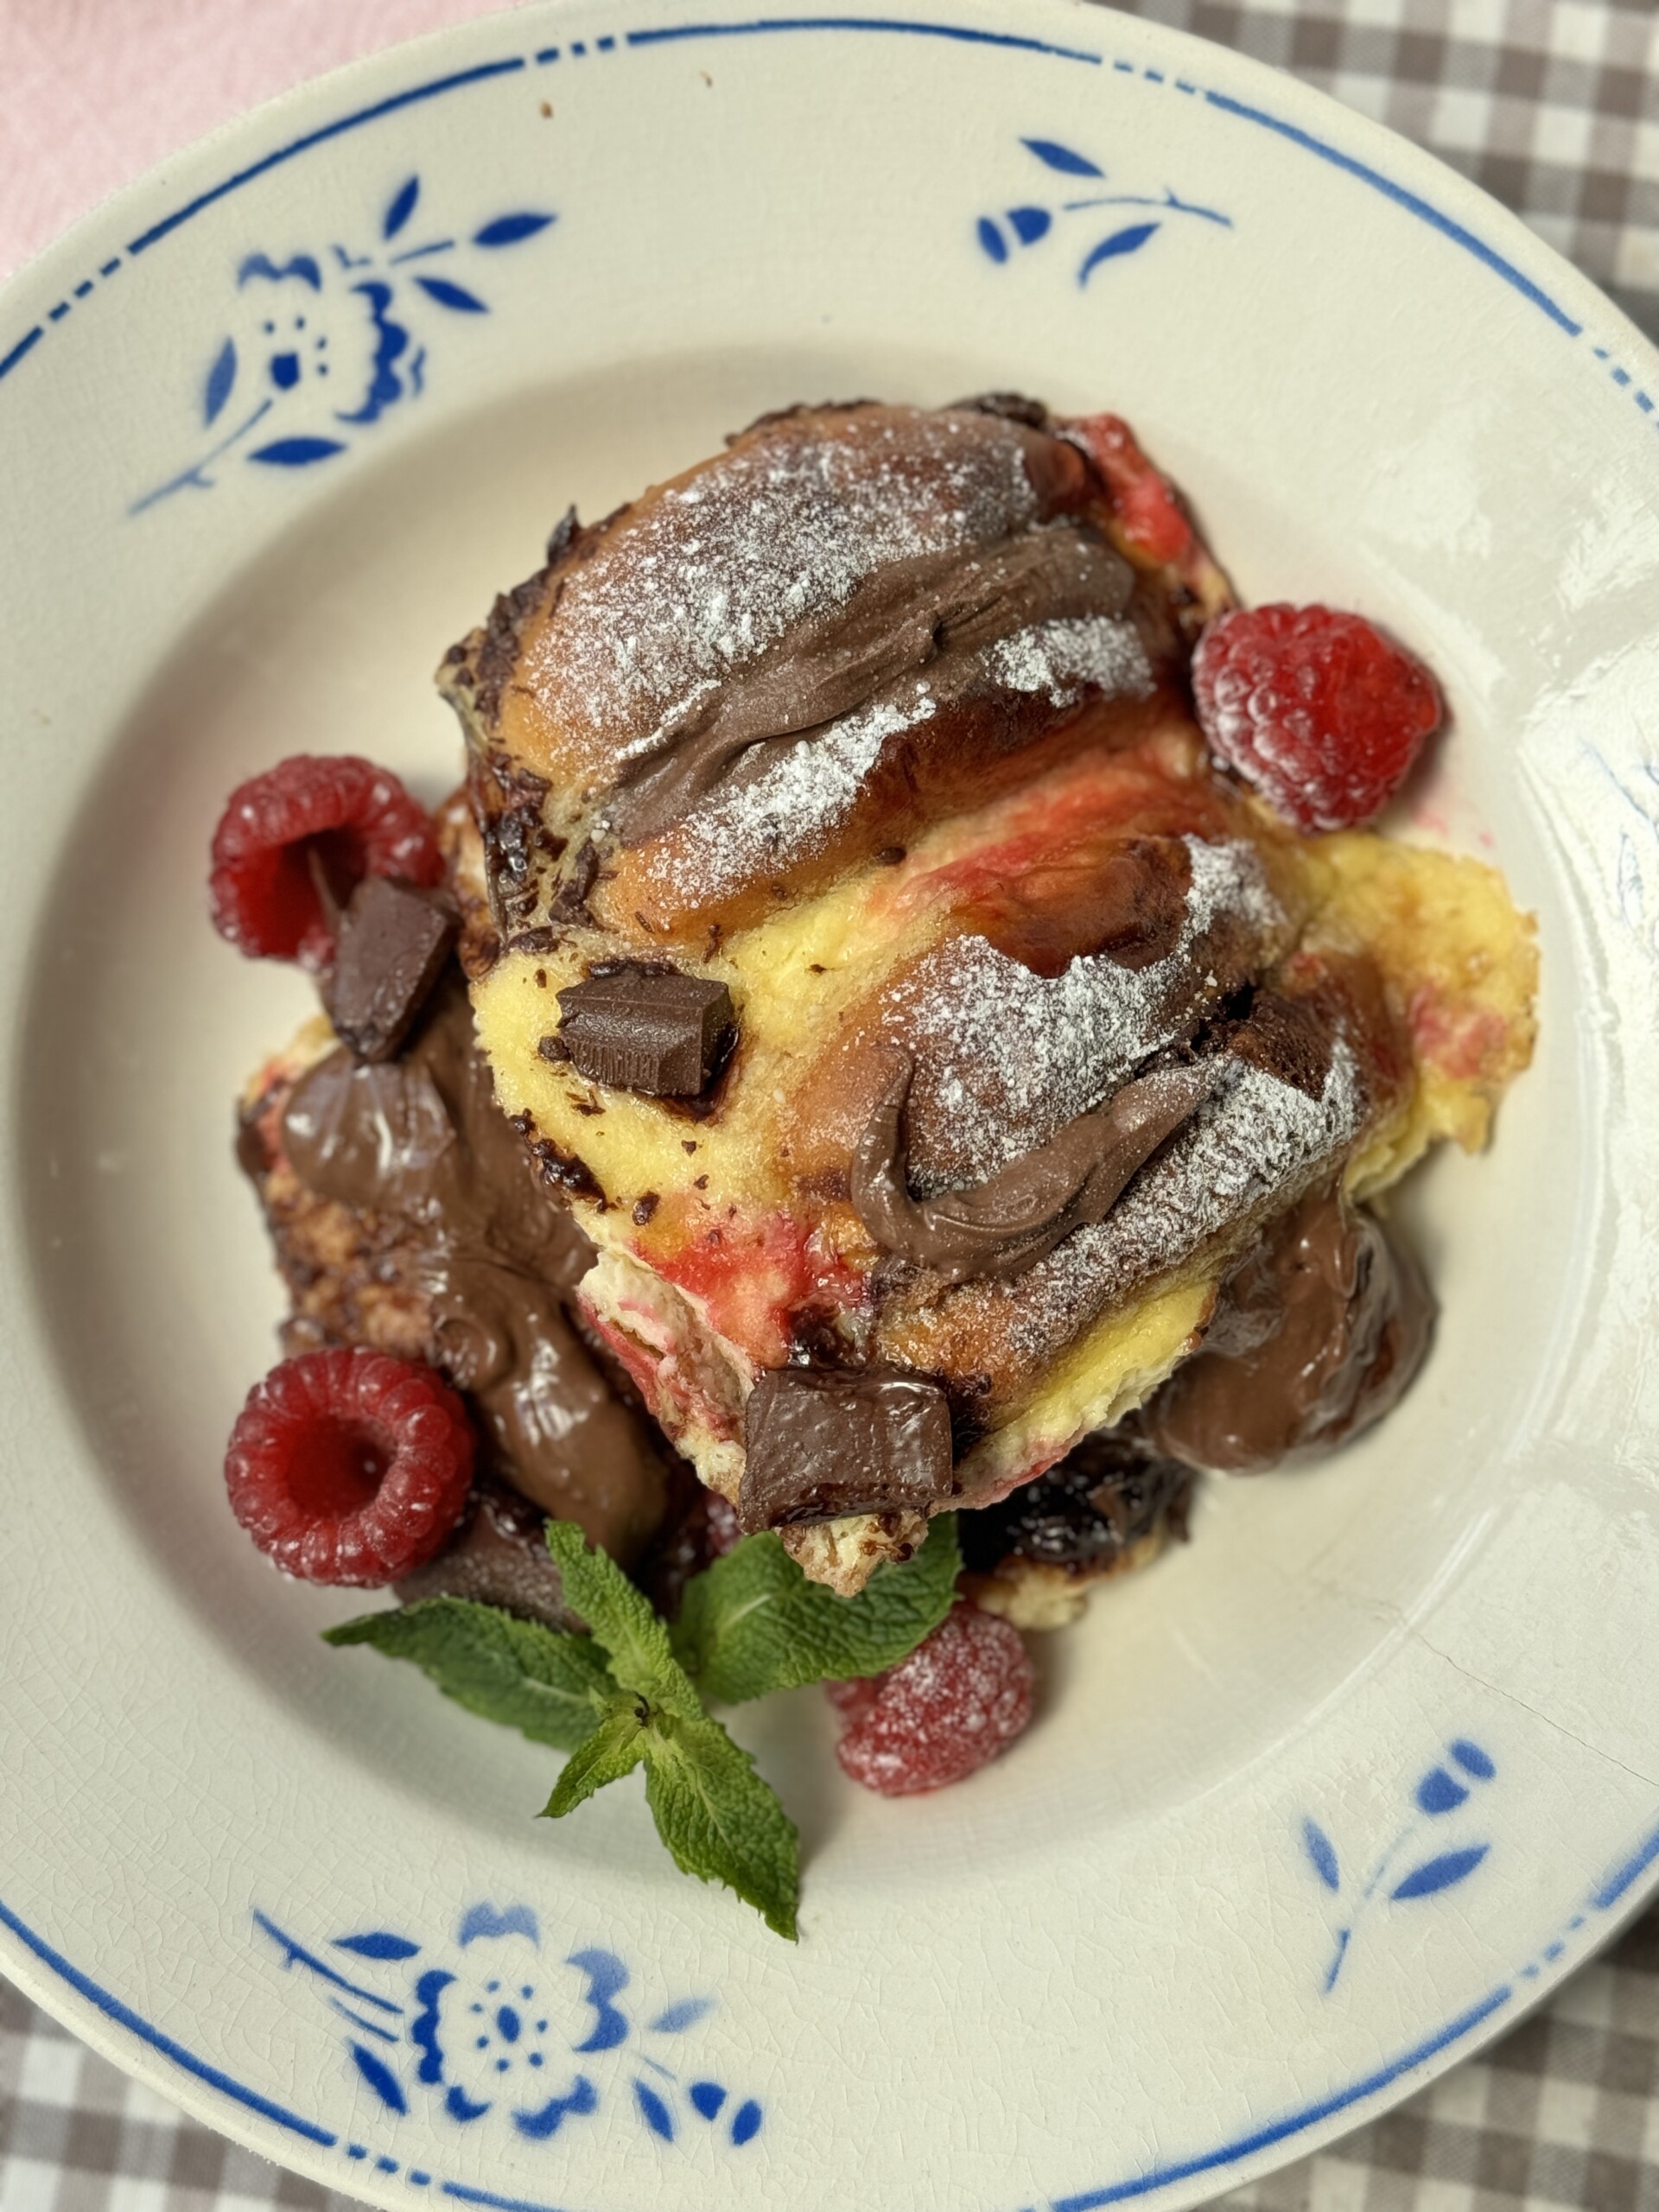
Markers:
(918, 1024)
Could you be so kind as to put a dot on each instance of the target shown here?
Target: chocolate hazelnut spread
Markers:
(1315, 1337)
(421, 1138)
(1009, 1221)
(936, 612)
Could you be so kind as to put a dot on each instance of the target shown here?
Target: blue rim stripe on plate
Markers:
(1410, 201)
(1633, 1868)
(388, 106)
(1276, 2130)
(965, 34)
(1244, 2147)
(113, 2009)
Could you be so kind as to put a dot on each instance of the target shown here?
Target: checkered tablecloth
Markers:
(1553, 105)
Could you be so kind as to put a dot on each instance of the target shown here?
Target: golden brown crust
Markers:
(597, 685)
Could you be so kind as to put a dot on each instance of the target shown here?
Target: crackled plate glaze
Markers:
(1315, 1805)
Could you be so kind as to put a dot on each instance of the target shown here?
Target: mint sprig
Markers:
(631, 1692)
(720, 1820)
(518, 1672)
(753, 1623)
(612, 1750)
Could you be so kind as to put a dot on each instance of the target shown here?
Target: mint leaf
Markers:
(614, 1749)
(622, 1621)
(546, 1685)
(720, 1820)
(752, 1621)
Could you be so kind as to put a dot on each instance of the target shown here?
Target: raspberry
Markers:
(855, 1695)
(1147, 510)
(1317, 710)
(358, 821)
(349, 1466)
(941, 1714)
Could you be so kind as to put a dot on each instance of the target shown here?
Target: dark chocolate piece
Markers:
(563, 535)
(1010, 406)
(823, 1441)
(500, 1557)
(392, 943)
(569, 902)
(646, 1029)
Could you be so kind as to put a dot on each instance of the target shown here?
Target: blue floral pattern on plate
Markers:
(486, 2024)
(323, 344)
(1442, 1789)
(1003, 234)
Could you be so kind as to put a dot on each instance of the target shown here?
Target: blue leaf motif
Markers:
(658, 2116)
(1440, 1792)
(402, 207)
(380, 2078)
(221, 378)
(296, 452)
(708, 2097)
(1322, 1852)
(992, 240)
(1436, 1874)
(1056, 157)
(1472, 1759)
(1130, 239)
(685, 2014)
(377, 1943)
(1029, 224)
(746, 2123)
(455, 297)
(507, 230)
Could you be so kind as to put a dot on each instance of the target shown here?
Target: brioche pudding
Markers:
(903, 1024)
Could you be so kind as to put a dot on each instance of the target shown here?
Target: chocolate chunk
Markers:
(1011, 406)
(499, 1558)
(569, 902)
(646, 1029)
(393, 940)
(564, 534)
(822, 1441)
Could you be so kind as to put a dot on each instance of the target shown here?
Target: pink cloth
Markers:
(94, 93)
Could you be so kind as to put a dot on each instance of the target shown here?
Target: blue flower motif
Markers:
(1002, 235)
(1437, 1793)
(326, 343)
(494, 2025)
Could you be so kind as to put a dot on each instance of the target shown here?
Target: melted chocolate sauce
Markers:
(421, 1138)
(1315, 1337)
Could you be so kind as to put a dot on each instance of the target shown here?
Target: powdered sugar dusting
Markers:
(1006, 1058)
(788, 811)
(699, 585)
(1063, 657)
(1256, 1138)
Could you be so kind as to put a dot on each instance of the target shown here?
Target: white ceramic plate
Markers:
(1315, 1805)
